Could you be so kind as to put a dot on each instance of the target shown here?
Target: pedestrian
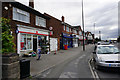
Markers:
(39, 52)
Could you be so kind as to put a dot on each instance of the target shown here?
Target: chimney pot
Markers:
(62, 18)
(31, 3)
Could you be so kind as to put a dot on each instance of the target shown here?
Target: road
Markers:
(78, 67)
(75, 67)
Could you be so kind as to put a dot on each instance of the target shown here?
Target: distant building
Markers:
(89, 37)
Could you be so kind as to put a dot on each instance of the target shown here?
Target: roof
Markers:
(76, 27)
(51, 17)
(57, 19)
(28, 9)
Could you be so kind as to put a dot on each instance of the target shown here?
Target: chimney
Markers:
(31, 3)
(62, 18)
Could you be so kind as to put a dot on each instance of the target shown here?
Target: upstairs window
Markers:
(67, 29)
(21, 15)
(74, 31)
(40, 21)
(70, 29)
(64, 28)
(80, 33)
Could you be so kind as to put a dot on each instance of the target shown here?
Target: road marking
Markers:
(78, 59)
(68, 75)
(94, 73)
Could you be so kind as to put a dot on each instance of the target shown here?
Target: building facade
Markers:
(60, 31)
(89, 37)
(27, 25)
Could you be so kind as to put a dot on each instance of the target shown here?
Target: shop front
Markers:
(29, 39)
(75, 40)
(66, 41)
(81, 40)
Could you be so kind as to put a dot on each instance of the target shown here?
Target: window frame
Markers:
(39, 21)
(17, 13)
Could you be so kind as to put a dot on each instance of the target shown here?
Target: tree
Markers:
(8, 45)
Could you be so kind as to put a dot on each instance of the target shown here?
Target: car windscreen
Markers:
(107, 50)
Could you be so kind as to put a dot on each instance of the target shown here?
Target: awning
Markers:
(82, 39)
(67, 36)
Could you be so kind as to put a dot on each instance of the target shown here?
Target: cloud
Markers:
(103, 12)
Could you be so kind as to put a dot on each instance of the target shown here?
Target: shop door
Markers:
(35, 43)
(53, 44)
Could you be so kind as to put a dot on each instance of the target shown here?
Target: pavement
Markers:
(50, 60)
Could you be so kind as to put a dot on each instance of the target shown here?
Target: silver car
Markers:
(106, 56)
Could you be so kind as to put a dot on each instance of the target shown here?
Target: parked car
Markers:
(106, 56)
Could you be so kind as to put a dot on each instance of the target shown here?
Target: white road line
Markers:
(94, 73)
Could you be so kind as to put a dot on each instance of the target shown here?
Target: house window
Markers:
(80, 33)
(40, 21)
(74, 31)
(67, 29)
(70, 29)
(21, 15)
(64, 28)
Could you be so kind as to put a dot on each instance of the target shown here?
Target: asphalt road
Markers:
(78, 67)
(75, 67)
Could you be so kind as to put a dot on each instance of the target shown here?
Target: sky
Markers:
(102, 13)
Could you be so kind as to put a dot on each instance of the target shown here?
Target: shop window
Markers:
(29, 42)
(26, 42)
(23, 42)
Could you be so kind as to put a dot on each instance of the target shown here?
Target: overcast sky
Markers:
(102, 12)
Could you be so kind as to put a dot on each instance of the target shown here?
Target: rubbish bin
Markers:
(24, 68)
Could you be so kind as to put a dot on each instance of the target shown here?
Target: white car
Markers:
(106, 56)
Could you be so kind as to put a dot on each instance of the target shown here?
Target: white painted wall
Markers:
(53, 44)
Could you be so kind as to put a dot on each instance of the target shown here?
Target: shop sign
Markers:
(65, 34)
(50, 28)
(32, 31)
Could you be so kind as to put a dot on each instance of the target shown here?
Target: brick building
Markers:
(27, 25)
(62, 32)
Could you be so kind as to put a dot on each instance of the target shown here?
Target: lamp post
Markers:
(100, 35)
(94, 31)
(83, 26)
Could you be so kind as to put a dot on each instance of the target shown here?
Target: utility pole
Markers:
(100, 35)
(83, 26)
(94, 32)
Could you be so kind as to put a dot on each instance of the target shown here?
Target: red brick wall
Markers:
(57, 27)
(13, 23)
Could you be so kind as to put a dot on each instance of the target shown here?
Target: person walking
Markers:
(39, 53)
